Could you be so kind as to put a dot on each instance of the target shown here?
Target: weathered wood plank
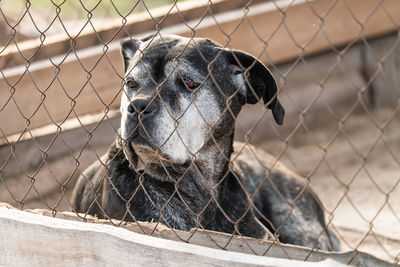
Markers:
(54, 157)
(306, 27)
(54, 93)
(29, 239)
(114, 29)
(32, 238)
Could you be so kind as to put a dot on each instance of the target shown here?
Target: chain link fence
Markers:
(336, 66)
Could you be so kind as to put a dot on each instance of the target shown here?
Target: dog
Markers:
(173, 160)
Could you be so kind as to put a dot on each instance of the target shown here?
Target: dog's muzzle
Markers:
(137, 126)
(142, 107)
(139, 111)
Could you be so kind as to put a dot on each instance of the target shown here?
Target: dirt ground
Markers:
(355, 170)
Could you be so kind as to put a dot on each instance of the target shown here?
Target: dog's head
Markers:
(182, 96)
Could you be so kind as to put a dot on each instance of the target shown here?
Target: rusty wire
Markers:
(25, 25)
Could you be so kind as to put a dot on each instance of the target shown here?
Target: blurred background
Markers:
(337, 63)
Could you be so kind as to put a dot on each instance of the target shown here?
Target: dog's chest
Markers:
(176, 205)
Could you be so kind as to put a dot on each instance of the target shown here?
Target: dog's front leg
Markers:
(234, 212)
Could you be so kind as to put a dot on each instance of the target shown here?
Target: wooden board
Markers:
(49, 94)
(306, 27)
(54, 158)
(114, 29)
(28, 238)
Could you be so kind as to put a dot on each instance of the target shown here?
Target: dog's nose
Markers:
(142, 106)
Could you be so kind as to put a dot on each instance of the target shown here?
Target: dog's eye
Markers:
(190, 84)
(132, 84)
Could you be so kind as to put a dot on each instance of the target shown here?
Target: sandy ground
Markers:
(355, 170)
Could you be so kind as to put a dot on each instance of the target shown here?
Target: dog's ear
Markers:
(256, 82)
(129, 47)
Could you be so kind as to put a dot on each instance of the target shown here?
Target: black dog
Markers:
(172, 160)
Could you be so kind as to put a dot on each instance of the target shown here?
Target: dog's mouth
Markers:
(149, 154)
(145, 159)
(141, 155)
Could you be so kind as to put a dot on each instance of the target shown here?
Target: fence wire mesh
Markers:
(336, 64)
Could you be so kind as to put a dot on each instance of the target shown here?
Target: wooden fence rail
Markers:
(28, 238)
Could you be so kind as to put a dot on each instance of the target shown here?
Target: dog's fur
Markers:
(172, 160)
